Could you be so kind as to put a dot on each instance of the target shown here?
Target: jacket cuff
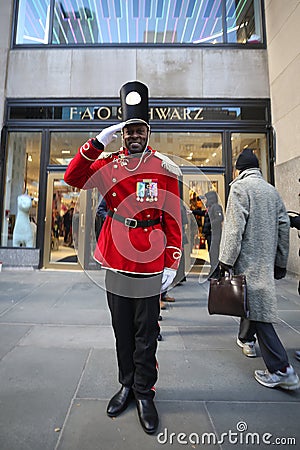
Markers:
(90, 151)
(172, 257)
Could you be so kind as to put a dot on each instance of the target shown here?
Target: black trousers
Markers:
(136, 327)
(272, 350)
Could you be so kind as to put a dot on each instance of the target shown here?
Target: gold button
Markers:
(148, 215)
(115, 209)
(114, 180)
(145, 229)
(114, 194)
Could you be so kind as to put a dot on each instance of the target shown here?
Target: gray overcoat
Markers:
(255, 237)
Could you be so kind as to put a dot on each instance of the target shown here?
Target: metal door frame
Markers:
(47, 264)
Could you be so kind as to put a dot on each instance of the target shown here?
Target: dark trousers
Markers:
(272, 350)
(135, 325)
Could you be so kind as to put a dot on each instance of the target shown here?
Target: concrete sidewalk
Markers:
(58, 371)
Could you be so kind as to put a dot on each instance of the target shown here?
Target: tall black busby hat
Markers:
(134, 103)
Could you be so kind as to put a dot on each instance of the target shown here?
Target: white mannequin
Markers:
(22, 235)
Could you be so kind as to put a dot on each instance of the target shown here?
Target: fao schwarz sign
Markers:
(158, 113)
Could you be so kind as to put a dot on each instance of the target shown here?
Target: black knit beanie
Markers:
(246, 160)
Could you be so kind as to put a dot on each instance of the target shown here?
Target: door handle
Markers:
(82, 220)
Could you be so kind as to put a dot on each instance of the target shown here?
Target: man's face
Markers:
(135, 137)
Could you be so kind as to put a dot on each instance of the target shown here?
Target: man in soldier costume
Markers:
(139, 244)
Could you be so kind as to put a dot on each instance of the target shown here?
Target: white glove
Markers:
(167, 278)
(108, 134)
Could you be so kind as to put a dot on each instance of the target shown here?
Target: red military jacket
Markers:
(136, 188)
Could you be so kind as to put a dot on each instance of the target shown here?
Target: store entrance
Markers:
(195, 186)
(63, 211)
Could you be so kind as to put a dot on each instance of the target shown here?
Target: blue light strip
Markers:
(118, 10)
(127, 21)
(105, 9)
(159, 9)
(177, 8)
(208, 9)
(60, 24)
(166, 22)
(135, 9)
(196, 21)
(191, 8)
(98, 22)
(148, 8)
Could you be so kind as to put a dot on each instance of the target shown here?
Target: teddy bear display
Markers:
(23, 235)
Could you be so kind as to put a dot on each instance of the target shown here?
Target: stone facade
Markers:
(283, 37)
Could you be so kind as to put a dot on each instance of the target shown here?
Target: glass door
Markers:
(200, 249)
(61, 224)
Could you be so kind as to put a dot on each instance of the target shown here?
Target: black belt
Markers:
(133, 223)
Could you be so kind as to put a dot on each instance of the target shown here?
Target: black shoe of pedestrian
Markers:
(147, 414)
(160, 318)
(159, 337)
(119, 401)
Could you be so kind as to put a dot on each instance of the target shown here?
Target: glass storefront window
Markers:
(33, 22)
(22, 177)
(134, 22)
(244, 21)
(64, 146)
(199, 149)
(157, 22)
(257, 142)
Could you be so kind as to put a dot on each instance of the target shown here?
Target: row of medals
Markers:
(140, 198)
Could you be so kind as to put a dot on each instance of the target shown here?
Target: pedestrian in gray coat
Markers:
(255, 241)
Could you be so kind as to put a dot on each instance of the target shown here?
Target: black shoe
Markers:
(160, 318)
(147, 414)
(159, 337)
(119, 402)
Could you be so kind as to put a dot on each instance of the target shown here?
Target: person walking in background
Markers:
(212, 229)
(216, 217)
(100, 217)
(295, 223)
(255, 241)
(139, 244)
(67, 223)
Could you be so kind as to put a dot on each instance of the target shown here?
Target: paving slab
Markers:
(208, 374)
(36, 388)
(256, 425)
(100, 378)
(81, 336)
(292, 318)
(10, 337)
(26, 313)
(89, 428)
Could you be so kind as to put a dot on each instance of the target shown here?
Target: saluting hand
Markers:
(108, 135)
